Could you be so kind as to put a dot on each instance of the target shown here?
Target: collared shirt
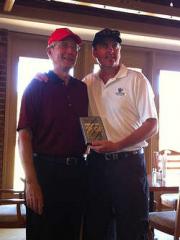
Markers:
(124, 103)
(51, 111)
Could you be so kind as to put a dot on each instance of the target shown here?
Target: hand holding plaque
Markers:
(93, 129)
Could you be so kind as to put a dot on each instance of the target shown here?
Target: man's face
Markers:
(63, 53)
(107, 53)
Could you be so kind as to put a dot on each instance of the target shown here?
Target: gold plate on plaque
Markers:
(93, 129)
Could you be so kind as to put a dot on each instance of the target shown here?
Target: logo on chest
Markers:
(120, 92)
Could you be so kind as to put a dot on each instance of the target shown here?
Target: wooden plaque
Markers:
(93, 129)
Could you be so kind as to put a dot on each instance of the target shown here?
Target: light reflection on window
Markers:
(169, 110)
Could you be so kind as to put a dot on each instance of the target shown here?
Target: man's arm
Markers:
(34, 196)
(147, 130)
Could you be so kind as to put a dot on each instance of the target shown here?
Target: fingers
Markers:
(103, 146)
(97, 146)
(34, 198)
(42, 77)
(36, 204)
(40, 208)
(97, 143)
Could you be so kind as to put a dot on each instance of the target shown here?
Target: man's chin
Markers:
(110, 63)
(67, 68)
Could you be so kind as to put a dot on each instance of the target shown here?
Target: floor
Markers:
(12, 234)
(162, 236)
(19, 234)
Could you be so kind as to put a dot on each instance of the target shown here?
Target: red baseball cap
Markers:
(61, 33)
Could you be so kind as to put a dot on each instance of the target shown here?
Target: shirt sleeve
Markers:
(145, 99)
(29, 108)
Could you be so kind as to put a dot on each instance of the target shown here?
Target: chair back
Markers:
(12, 209)
(172, 160)
(177, 222)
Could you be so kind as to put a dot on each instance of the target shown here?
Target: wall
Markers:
(3, 73)
(19, 44)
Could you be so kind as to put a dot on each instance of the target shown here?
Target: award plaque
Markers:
(93, 129)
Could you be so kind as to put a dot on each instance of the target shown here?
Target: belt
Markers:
(68, 161)
(118, 155)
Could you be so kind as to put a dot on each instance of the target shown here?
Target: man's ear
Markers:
(48, 52)
(94, 53)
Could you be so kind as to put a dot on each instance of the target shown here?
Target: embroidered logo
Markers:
(120, 92)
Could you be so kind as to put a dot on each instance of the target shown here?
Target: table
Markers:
(168, 185)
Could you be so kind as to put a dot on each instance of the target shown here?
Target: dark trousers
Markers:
(117, 206)
(63, 192)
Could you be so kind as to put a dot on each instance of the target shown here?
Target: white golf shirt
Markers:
(123, 103)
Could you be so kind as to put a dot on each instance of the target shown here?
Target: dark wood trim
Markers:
(81, 16)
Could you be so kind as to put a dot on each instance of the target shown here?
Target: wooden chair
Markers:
(12, 209)
(169, 200)
(165, 221)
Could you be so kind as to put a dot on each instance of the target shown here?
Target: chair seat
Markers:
(163, 221)
(8, 214)
(169, 200)
(12, 208)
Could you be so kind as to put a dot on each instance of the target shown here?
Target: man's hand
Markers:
(104, 146)
(41, 77)
(34, 197)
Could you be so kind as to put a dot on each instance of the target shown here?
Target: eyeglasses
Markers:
(65, 45)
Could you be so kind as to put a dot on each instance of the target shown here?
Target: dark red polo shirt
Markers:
(52, 110)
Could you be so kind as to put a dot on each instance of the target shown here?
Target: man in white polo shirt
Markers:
(117, 181)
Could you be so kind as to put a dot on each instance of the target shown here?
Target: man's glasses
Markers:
(64, 45)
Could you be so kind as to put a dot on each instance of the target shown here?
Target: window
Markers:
(96, 68)
(169, 117)
(27, 68)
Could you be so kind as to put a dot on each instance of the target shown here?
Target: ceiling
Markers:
(156, 12)
(146, 10)
(166, 7)
(149, 22)
(176, 3)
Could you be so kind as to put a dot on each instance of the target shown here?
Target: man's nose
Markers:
(110, 48)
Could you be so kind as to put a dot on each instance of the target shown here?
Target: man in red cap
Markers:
(51, 145)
